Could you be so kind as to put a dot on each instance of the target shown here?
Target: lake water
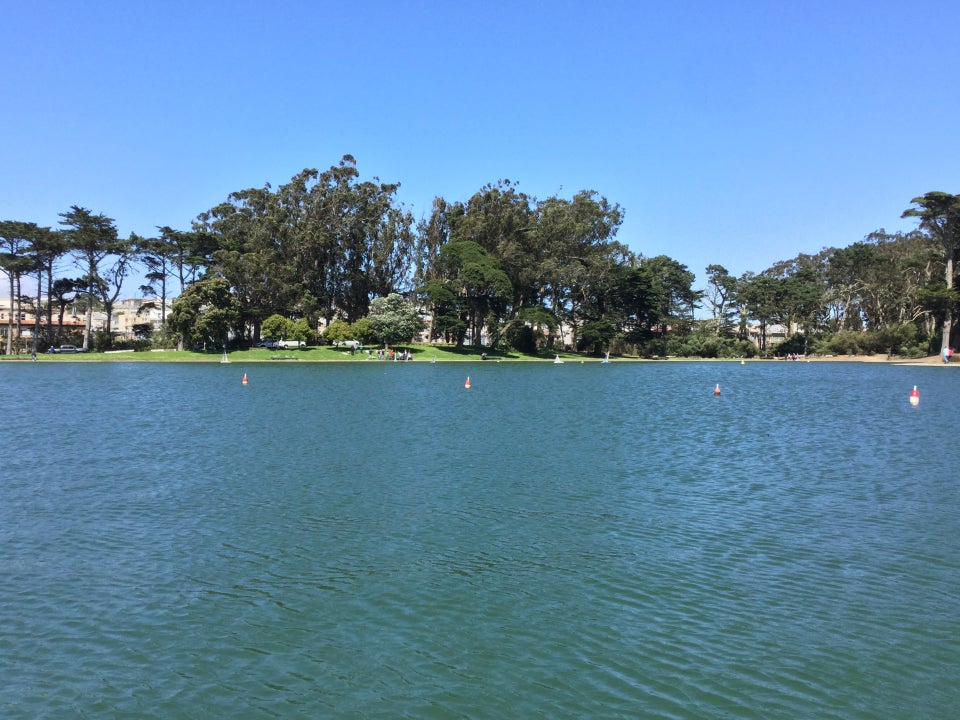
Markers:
(558, 541)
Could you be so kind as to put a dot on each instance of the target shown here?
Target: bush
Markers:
(338, 331)
(620, 346)
(595, 335)
(896, 338)
(797, 343)
(101, 340)
(300, 330)
(522, 339)
(139, 344)
(713, 347)
(845, 342)
(361, 330)
(275, 327)
(165, 339)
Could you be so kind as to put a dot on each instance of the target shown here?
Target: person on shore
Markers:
(946, 355)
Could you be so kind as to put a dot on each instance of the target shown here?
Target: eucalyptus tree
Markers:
(92, 239)
(312, 206)
(557, 254)
(499, 219)
(470, 292)
(559, 268)
(898, 286)
(323, 244)
(432, 234)
(674, 295)
(346, 241)
(474, 259)
(939, 215)
(847, 272)
(375, 243)
(249, 255)
(390, 251)
(579, 257)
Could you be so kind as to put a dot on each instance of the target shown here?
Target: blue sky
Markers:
(737, 132)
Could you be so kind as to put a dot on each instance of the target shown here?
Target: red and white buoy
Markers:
(467, 383)
(244, 381)
(716, 390)
(914, 396)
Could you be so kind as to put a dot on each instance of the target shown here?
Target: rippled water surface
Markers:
(377, 541)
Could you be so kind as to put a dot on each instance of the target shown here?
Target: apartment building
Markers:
(137, 311)
(126, 315)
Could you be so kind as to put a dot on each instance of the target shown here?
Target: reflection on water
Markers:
(376, 541)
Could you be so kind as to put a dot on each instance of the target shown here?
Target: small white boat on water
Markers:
(224, 360)
(557, 360)
(606, 359)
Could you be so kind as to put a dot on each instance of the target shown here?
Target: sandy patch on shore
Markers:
(935, 360)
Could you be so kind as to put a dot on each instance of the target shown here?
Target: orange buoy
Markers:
(467, 383)
(716, 390)
(914, 396)
(244, 381)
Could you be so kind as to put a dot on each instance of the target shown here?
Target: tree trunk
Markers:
(948, 315)
(88, 325)
(37, 311)
(10, 320)
(19, 309)
(49, 271)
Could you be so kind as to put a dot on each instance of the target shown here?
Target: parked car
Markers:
(352, 344)
(70, 349)
(268, 344)
(292, 344)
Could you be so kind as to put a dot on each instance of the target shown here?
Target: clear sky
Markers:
(738, 132)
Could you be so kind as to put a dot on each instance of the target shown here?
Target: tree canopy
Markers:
(330, 248)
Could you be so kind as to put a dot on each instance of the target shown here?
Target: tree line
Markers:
(499, 269)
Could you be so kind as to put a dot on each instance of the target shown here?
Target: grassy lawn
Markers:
(420, 353)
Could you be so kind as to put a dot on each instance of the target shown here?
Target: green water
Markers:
(569, 541)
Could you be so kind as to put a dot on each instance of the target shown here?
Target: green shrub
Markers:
(894, 338)
(275, 327)
(361, 330)
(522, 339)
(845, 342)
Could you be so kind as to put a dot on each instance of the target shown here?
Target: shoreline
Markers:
(187, 357)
